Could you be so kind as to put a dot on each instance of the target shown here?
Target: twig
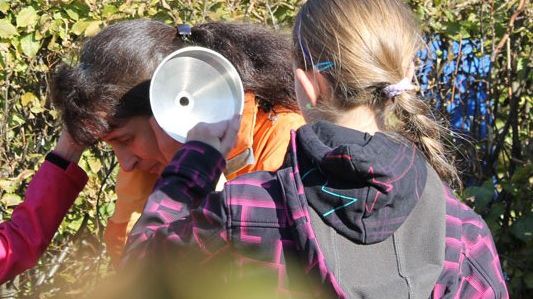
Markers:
(459, 55)
(467, 3)
(3, 126)
(274, 23)
(513, 101)
(57, 264)
(204, 11)
(249, 9)
(510, 27)
(100, 192)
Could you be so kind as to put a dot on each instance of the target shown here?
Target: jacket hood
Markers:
(362, 185)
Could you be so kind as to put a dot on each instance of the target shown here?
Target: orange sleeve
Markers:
(132, 189)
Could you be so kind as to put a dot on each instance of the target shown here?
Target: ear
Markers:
(313, 84)
(308, 84)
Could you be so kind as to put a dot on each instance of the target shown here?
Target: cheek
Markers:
(124, 154)
(146, 149)
(147, 144)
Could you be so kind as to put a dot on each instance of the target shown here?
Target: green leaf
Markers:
(93, 28)
(79, 27)
(500, 29)
(16, 120)
(27, 17)
(4, 6)
(11, 199)
(453, 28)
(28, 98)
(109, 10)
(72, 14)
(95, 165)
(29, 45)
(37, 108)
(449, 15)
(8, 185)
(523, 228)
(6, 29)
(522, 175)
(482, 194)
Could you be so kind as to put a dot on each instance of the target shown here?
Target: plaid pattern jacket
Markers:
(263, 218)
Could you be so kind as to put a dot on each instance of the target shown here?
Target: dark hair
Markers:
(111, 81)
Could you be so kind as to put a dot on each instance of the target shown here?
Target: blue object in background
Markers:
(453, 74)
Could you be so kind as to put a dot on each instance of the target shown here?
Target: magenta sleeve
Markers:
(33, 223)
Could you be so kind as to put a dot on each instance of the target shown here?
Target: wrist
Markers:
(68, 152)
(57, 160)
(67, 148)
(200, 163)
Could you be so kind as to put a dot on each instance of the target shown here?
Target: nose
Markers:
(126, 159)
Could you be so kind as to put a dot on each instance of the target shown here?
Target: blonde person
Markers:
(105, 97)
(362, 202)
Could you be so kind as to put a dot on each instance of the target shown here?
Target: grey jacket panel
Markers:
(405, 265)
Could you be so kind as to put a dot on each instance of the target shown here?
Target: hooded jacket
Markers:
(365, 216)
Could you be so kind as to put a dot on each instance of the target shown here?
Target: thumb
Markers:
(227, 142)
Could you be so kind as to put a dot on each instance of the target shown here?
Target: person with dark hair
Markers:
(106, 97)
(33, 223)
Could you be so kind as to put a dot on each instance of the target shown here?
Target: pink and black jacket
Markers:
(364, 215)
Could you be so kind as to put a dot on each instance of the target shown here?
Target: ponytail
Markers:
(412, 118)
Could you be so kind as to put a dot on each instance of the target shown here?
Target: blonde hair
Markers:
(370, 45)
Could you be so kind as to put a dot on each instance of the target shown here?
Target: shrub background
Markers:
(37, 34)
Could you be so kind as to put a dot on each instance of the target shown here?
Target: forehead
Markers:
(132, 125)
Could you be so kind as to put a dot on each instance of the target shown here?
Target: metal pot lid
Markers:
(193, 85)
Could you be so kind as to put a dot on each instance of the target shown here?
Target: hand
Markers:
(68, 148)
(220, 135)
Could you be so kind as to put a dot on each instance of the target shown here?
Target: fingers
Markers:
(220, 135)
(230, 136)
(212, 130)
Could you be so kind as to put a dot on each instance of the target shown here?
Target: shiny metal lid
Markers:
(193, 85)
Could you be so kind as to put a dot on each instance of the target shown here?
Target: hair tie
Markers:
(184, 31)
(396, 89)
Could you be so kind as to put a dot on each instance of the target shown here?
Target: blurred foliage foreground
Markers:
(475, 70)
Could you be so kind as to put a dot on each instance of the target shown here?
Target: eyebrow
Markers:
(116, 125)
(114, 136)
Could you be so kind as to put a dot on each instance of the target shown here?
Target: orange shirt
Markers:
(261, 145)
